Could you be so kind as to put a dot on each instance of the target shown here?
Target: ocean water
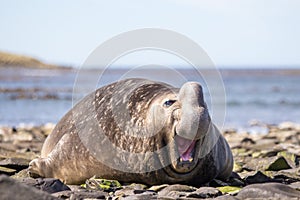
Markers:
(34, 96)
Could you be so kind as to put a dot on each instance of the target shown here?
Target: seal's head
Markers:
(183, 116)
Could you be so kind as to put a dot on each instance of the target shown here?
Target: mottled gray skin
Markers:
(64, 155)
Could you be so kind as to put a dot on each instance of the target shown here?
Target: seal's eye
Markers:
(168, 103)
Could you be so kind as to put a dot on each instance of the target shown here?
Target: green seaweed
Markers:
(101, 184)
(229, 189)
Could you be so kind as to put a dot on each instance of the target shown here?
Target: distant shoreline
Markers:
(21, 61)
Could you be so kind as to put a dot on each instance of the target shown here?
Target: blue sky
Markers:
(234, 33)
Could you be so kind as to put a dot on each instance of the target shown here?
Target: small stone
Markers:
(205, 192)
(136, 186)
(124, 192)
(230, 131)
(248, 141)
(176, 191)
(286, 126)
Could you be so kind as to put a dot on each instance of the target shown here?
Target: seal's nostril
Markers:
(176, 114)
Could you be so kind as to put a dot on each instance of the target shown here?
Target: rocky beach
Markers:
(266, 167)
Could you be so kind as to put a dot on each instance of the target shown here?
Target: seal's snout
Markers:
(191, 93)
(192, 124)
(194, 117)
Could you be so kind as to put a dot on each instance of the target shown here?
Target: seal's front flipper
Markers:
(36, 168)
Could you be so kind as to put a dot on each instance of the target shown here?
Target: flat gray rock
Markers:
(268, 190)
(11, 189)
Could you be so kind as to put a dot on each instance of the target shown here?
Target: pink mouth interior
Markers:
(185, 147)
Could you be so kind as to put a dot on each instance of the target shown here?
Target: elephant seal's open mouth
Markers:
(186, 150)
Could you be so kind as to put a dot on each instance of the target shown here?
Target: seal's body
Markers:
(137, 130)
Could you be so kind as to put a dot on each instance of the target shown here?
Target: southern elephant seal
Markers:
(137, 130)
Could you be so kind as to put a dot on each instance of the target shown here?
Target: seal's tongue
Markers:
(185, 148)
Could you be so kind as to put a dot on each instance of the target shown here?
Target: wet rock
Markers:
(267, 191)
(11, 189)
(205, 192)
(258, 177)
(217, 183)
(176, 191)
(50, 185)
(235, 180)
(15, 163)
